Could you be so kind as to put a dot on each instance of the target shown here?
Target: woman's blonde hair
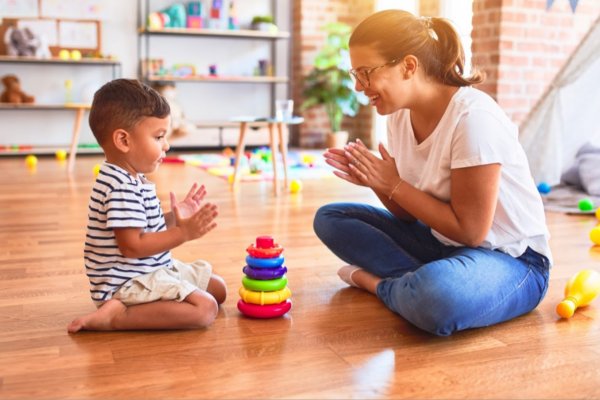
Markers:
(395, 34)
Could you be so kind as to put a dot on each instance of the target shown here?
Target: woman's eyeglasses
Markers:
(362, 75)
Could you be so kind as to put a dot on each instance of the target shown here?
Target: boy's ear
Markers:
(121, 140)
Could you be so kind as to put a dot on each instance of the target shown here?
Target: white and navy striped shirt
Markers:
(119, 200)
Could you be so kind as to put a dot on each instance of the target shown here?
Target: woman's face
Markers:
(381, 80)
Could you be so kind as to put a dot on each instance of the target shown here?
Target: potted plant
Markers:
(264, 23)
(329, 83)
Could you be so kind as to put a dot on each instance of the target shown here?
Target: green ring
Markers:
(270, 285)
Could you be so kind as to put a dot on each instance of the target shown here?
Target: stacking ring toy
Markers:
(264, 273)
(272, 285)
(268, 311)
(264, 262)
(258, 252)
(263, 298)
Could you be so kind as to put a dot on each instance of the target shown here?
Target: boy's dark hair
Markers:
(121, 104)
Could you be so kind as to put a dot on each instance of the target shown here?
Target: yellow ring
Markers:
(262, 298)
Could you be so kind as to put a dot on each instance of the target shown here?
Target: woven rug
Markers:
(564, 198)
(258, 166)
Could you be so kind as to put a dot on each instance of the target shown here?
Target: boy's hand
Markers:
(191, 204)
(198, 224)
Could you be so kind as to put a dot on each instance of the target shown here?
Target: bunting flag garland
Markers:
(573, 4)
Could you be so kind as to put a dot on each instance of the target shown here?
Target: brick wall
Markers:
(519, 44)
(309, 17)
(522, 47)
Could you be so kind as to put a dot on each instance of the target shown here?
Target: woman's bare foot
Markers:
(99, 320)
(359, 278)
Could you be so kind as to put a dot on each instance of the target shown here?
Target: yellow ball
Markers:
(598, 213)
(31, 160)
(64, 54)
(595, 235)
(96, 170)
(75, 55)
(295, 186)
(61, 155)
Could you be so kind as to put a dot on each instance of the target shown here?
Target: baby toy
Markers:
(586, 204)
(176, 13)
(580, 290)
(171, 17)
(64, 54)
(96, 170)
(31, 161)
(23, 42)
(295, 186)
(598, 213)
(264, 292)
(595, 235)
(12, 91)
(194, 15)
(61, 155)
(544, 188)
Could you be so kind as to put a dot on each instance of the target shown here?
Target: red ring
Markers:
(266, 311)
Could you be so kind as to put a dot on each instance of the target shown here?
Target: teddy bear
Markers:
(12, 91)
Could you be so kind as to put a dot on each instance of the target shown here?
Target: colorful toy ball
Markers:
(61, 155)
(96, 170)
(595, 235)
(31, 161)
(64, 54)
(75, 55)
(586, 204)
(544, 188)
(295, 186)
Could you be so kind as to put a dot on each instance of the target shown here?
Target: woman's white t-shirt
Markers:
(475, 131)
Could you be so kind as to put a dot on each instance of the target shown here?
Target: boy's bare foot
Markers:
(99, 320)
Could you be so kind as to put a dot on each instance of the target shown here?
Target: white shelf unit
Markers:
(11, 140)
(211, 101)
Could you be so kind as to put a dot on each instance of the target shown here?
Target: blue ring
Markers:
(265, 262)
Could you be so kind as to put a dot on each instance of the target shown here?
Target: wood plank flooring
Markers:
(337, 342)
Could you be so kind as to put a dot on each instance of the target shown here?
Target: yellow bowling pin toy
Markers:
(581, 289)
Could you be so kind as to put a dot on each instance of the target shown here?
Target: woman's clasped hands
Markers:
(356, 164)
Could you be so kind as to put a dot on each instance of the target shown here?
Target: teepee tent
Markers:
(567, 115)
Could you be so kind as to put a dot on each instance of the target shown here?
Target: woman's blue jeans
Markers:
(440, 289)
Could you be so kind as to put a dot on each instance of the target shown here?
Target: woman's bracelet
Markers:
(395, 188)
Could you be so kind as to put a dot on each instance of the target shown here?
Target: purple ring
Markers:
(264, 274)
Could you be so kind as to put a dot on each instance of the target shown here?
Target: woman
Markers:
(462, 241)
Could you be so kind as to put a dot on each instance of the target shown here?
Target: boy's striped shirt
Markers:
(119, 200)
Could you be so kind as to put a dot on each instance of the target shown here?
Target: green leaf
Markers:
(329, 83)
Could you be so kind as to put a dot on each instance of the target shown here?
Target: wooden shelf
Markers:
(7, 150)
(83, 61)
(227, 79)
(237, 33)
(35, 106)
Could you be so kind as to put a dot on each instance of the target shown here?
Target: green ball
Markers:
(586, 204)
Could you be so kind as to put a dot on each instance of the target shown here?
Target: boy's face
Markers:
(148, 144)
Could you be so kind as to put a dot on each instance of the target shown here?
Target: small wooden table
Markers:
(80, 111)
(271, 124)
(79, 108)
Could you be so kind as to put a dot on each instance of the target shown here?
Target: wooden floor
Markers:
(336, 342)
